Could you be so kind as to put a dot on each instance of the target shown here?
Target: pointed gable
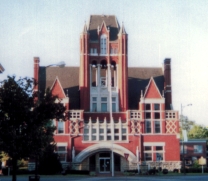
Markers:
(57, 89)
(152, 90)
(103, 28)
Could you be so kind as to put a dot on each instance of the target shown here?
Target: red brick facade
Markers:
(113, 107)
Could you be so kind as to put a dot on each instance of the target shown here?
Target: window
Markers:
(157, 126)
(113, 51)
(113, 104)
(147, 107)
(60, 127)
(156, 106)
(103, 104)
(103, 44)
(197, 148)
(94, 104)
(185, 148)
(157, 115)
(148, 126)
(148, 115)
(62, 152)
(103, 131)
(154, 153)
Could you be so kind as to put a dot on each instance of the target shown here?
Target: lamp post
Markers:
(183, 135)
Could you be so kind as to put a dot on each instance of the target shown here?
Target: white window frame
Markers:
(153, 152)
(103, 44)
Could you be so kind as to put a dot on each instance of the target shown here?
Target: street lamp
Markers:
(183, 135)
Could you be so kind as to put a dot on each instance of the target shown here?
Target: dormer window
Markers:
(103, 44)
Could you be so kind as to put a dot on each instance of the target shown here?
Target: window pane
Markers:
(101, 137)
(156, 106)
(148, 126)
(116, 130)
(148, 156)
(123, 137)
(116, 137)
(60, 127)
(108, 130)
(159, 148)
(148, 115)
(123, 130)
(197, 148)
(159, 156)
(103, 99)
(94, 107)
(93, 138)
(86, 137)
(157, 126)
(108, 137)
(147, 107)
(94, 99)
(157, 115)
(101, 130)
(113, 99)
(61, 148)
(93, 130)
(86, 131)
(114, 107)
(147, 148)
(104, 107)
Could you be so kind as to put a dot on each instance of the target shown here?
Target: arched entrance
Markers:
(100, 157)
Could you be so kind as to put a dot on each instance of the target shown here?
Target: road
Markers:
(122, 178)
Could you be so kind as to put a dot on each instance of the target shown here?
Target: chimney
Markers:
(167, 84)
(36, 72)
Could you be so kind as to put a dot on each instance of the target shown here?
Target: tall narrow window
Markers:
(103, 44)
(62, 152)
(60, 127)
(157, 126)
(103, 104)
(94, 104)
(148, 126)
(113, 104)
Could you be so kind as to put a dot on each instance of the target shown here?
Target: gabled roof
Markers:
(69, 80)
(57, 89)
(97, 20)
(152, 90)
(138, 80)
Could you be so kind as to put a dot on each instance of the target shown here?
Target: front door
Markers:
(104, 165)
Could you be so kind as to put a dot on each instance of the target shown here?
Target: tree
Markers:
(25, 124)
(198, 132)
(41, 133)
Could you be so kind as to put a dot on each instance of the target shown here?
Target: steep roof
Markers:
(138, 79)
(69, 80)
(97, 20)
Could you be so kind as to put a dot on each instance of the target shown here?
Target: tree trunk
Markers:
(14, 165)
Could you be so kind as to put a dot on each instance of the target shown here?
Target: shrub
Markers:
(165, 171)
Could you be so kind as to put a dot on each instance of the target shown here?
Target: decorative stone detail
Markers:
(136, 127)
(74, 127)
(170, 165)
(171, 127)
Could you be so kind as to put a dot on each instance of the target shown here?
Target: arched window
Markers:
(103, 44)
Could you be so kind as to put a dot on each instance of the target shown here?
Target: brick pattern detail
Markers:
(74, 127)
(171, 127)
(135, 127)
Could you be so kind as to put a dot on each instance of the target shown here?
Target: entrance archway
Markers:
(104, 147)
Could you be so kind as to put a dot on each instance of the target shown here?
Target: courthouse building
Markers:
(118, 116)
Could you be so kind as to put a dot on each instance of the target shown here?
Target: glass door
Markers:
(104, 165)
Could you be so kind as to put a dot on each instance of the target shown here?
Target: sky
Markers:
(157, 29)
